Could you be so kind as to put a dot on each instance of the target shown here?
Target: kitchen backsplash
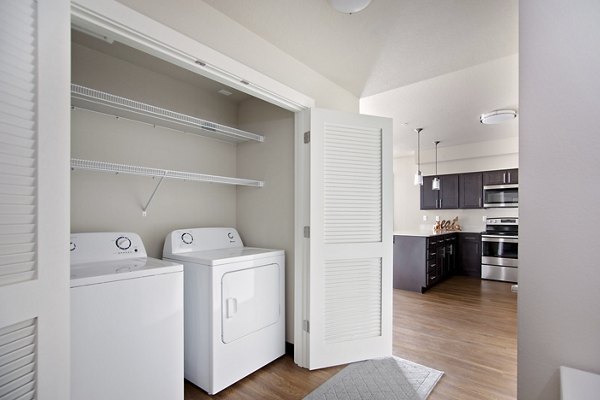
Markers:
(469, 220)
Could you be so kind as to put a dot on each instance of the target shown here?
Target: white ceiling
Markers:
(448, 107)
(392, 43)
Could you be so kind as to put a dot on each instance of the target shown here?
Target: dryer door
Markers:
(249, 301)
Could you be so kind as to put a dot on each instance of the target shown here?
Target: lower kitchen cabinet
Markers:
(420, 262)
(469, 254)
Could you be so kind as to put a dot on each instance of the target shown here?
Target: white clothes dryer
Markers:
(234, 313)
(126, 320)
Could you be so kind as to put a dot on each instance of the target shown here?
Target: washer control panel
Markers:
(105, 246)
(200, 239)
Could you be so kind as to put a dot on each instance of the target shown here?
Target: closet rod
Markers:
(157, 172)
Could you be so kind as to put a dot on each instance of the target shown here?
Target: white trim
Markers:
(118, 22)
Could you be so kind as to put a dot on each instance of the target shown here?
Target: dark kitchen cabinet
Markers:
(501, 177)
(469, 254)
(421, 262)
(470, 192)
(445, 198)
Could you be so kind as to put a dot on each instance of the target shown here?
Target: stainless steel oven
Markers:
(500, 249)
(501, 196)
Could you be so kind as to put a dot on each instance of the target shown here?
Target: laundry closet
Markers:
(110, 150)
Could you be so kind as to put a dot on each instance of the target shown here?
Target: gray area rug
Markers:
(390, 378)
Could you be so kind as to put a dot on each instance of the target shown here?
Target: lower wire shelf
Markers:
(103, 166)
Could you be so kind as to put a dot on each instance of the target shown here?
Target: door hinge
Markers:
(306, 326)
(306, 137)
(307, 231)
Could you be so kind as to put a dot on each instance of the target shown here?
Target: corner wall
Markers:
(559, 275)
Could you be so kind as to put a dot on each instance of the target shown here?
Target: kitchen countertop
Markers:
(427, 233)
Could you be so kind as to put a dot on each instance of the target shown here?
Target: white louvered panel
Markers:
(352, 299)
(352, 185)
(18, 142)
(18, 360)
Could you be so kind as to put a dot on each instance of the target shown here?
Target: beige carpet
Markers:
(390, 378)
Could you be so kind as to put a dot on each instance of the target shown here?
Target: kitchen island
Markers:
(423, 259)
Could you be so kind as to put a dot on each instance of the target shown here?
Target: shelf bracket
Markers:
(144, 213)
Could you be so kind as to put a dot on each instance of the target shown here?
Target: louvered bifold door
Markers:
(350, 238)
(17, 141)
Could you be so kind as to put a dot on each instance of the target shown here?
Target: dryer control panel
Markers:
(105, 246)
(201, 239)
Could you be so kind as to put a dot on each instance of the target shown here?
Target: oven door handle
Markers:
(499, 240)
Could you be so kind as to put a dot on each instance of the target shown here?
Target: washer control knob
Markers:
(230, 235)
(123, 243)
(187, 238)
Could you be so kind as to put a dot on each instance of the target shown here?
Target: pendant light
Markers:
(418, 175)
(435, 184)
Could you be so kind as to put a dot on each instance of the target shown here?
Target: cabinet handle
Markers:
(504, 177)
(508, 176)
(441, 203)
(479, 201)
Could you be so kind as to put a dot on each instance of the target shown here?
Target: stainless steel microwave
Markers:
(501, 196)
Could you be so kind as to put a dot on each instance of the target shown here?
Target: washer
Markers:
(234, 305)
(126, 320)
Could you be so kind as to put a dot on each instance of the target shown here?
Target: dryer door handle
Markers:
(230, 307)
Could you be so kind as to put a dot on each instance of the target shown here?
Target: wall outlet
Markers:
(437, 218)
(424, 218)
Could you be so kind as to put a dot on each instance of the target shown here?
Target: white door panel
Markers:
(34, 192)
(348, 286)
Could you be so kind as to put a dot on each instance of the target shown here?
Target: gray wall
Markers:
(265, 217)
(107, 202)
(559, 274)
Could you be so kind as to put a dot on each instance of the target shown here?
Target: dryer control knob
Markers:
(123, 243)
(187, 238)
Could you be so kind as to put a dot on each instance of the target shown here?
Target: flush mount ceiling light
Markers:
(418, 175)
(497, 116)
(349, 6)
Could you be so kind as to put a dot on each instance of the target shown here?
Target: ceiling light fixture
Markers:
(418, 175)
(435, 184)
(497, 116)
(349, 6)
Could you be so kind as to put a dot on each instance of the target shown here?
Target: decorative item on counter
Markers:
(447, 226)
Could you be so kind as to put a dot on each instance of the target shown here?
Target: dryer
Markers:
(234, 312)
(126, 320)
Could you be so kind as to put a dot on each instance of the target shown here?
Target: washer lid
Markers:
(225, 256)
(110, 271)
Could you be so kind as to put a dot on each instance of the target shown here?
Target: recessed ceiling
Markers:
(141, 59)
(392, 43)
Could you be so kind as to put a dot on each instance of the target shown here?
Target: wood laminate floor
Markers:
(465, 327)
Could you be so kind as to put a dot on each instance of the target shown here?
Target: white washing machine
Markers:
(126, 320)
(234, 305)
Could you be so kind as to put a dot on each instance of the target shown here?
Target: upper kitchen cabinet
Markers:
(445, 198)
(501, 177)
(470, 190)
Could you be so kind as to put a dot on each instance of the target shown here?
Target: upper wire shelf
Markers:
(106, 103)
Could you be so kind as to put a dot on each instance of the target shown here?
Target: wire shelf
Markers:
(95, 100)
(160, 173)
